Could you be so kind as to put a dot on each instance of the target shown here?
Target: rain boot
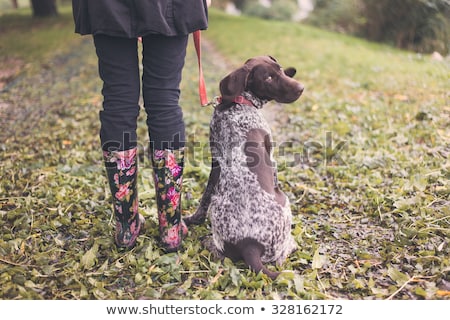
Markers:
(168, 175)
(121, 168)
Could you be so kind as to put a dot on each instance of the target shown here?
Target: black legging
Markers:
(163, 61)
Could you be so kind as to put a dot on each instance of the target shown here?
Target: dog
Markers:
(250, 216)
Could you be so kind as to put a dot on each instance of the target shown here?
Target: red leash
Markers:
(201, 80)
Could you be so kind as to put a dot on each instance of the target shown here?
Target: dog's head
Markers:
(264, 78)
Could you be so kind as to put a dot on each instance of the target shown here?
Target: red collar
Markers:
(239, 100)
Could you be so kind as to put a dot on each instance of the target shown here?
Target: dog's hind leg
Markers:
(199, 216)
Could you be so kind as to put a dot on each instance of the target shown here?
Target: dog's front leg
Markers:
(199, 216)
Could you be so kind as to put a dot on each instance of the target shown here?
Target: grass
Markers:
(33, 39)
(363, 157)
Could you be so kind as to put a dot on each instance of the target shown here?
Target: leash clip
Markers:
(214, 102)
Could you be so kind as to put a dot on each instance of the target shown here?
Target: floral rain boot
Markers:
(168, 174)
(121, 169)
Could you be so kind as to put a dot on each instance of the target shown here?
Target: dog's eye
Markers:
(269, 78)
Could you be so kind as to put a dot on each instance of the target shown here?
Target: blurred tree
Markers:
(44, 8)
(15, 4)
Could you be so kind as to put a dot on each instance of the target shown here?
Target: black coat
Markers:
(134, 18)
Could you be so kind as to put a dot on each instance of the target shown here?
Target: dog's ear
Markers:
(290, 72)
(234, 84)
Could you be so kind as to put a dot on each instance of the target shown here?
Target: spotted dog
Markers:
(250, 216)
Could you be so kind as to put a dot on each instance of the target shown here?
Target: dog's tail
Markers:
(251, 252)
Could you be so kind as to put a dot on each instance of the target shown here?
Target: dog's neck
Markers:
(256, 102)
(246, 98)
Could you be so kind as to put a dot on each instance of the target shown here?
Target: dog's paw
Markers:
(197, 218)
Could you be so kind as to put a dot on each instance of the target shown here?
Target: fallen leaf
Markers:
(318, 260)
(443, 293)
(89, 259)
(399, 277)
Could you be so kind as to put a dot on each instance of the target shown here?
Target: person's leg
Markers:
(163, 61)
(118, 69)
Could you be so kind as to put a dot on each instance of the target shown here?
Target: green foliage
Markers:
(337, 15)
(374, 226)
(420, 25)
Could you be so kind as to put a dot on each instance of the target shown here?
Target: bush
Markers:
(279, 10)
(420, 25)
(337, 15)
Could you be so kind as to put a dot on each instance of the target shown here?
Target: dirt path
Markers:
(31, 98)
